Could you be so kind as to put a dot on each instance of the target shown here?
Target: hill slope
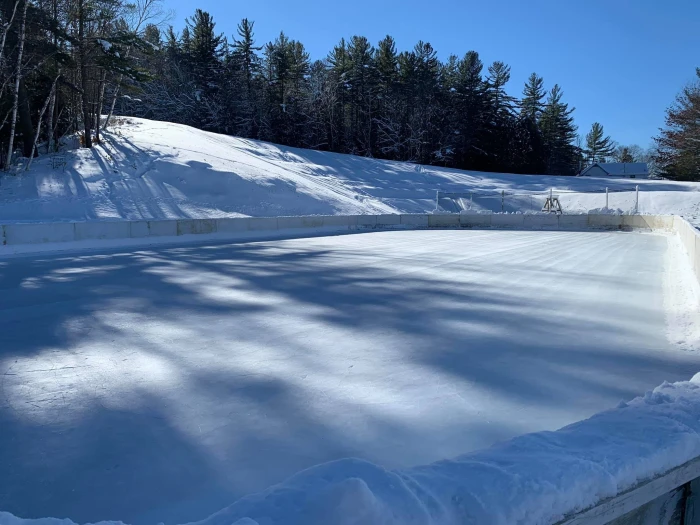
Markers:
(148, 169)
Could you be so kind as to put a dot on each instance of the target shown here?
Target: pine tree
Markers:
(376, 102)
(339, 67)
(423, 69)
(559, 135)
(204, 49)
(532, 104)
(499, 123)
(530, 145)
(678, 145)
(286, 67)
(388, 116)
(470, 112)
(244, 71)
(598, 147)
(362, 86)
(624, 154)
(498, 77)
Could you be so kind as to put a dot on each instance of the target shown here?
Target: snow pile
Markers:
(681, 298)
(607, 211)
(533, 479)
(157, 170)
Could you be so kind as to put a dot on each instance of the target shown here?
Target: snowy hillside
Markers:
(148, 169)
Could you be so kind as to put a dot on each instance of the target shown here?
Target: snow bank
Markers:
(157, 170)
(533, 479)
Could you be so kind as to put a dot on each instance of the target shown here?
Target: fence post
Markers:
(437, 200)
(503, 200)
(636, 204)
(471, 200)
(606, 198)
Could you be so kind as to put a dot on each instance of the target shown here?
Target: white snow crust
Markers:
(157, 170)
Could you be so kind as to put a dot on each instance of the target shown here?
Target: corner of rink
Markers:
(681, 298)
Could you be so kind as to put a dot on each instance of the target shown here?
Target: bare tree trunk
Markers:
(82, 53)
(52, 104)
(41, 116)
(116, 95)
(114, 103)
(49, 123)
(24, 119)
(7, 30)
(100, 102)
(147, 10)
(18, 77)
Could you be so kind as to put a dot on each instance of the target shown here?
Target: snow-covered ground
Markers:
(148, 169)
(164, 384)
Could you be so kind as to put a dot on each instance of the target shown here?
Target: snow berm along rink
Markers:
(158, 170)
(165, 383)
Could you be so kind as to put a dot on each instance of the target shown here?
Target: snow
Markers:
(681, 299)
(106, 46)
(534, 479)
(160, 385)
(157, 170)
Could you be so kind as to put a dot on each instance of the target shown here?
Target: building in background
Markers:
(625, 170)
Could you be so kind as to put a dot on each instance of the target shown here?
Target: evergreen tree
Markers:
(598, 147)
(532, 104)
(387, 117)
(204, 50)
(83, 58)
(243, 88)
(678, 145)
(498, 77)
(559, 135)
(422, 70)
(339, 65)
(469, 115)
(286, 66)
(362, 86)
(499, 122)
(624, 154)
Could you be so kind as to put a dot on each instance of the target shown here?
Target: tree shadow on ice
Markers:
(160, 385)
(87, 436)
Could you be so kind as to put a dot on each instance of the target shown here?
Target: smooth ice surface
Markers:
(161, 385)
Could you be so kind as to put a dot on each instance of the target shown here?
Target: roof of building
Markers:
(621, 168)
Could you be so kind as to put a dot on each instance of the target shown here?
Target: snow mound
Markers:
(145, 169)
(535, 479)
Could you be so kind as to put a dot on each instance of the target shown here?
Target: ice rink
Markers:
(160, 385)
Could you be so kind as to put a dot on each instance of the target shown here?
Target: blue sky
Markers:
(620, 62)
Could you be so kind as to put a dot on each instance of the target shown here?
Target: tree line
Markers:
(65, 64)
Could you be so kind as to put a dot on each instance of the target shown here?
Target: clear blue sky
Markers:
(620, 62)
